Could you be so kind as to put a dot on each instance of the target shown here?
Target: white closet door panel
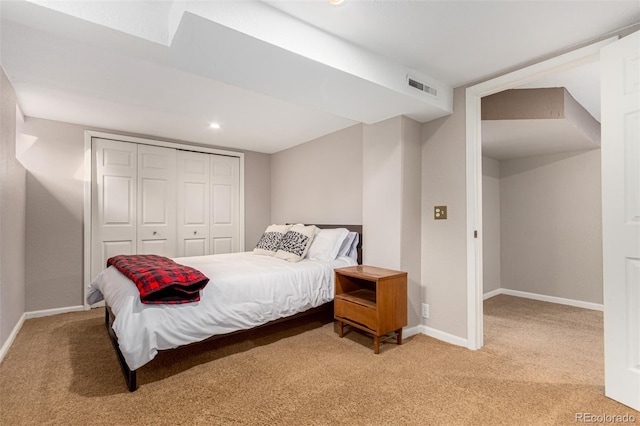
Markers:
(116, 155)
(196, 197)
(223, 206)
(156, 211)
(113, 201)
(222, 245)
(222, 167)
(193, 207)
(195, 247)
(161, 247)
(155, 158)
(225, 200)
(154, 202)
(194, 163)
(117, 193)
(113, 248)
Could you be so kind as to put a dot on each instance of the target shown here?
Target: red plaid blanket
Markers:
(159, 279)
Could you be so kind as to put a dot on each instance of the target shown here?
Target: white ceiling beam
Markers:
(223, 40)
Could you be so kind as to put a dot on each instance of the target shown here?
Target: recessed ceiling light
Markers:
(335, 2)
(214, 125)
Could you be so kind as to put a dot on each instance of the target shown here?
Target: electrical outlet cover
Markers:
(439, 212)
(425, 310)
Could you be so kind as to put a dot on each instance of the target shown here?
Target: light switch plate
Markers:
(439, 212)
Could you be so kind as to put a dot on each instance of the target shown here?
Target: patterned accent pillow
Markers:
(270, 240)
(296, 242)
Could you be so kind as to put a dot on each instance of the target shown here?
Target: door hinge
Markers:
(475, 234)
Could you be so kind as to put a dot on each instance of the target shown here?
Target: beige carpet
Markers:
(541, 364)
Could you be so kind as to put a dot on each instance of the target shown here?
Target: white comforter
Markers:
(245, 290)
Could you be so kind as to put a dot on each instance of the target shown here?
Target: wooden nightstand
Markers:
(371, 299)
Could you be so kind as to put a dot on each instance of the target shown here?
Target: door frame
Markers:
(474, 95)
(88, 177)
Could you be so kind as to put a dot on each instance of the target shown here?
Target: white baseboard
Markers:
(441, 335)
(491, 294)
(545, 298)
(7, 344)
(411, 331)
(436, 334)
(34, 314)
(56, 311)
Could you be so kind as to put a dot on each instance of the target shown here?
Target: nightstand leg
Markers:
(376, 344)
(340, 329)
(399, 336)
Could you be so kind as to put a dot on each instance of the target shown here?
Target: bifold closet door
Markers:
(225, 204)
(194, 202)
(149, 199)
(156, 207)
(113, 201)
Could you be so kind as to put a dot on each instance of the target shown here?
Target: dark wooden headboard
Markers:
(352, 228)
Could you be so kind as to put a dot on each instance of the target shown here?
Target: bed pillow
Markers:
(326, 244)
(296, 242)
(270, 240)
(353, 251)
(349, 245)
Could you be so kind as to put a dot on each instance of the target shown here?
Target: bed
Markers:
(246, 290)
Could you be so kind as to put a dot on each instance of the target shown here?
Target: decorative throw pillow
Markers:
(270, 240)
(296, 242)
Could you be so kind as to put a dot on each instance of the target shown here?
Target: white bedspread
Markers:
(245, 290)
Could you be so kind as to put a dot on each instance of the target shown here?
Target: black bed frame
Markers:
(130, 376)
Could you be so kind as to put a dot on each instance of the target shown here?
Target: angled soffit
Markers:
(528, 122)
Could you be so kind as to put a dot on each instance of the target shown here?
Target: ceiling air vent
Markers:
(421, 86)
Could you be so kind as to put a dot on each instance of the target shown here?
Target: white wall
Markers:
(54, 214)
(382, 193)
(55, 166)
(444, 242)
(391, 202)
(319, 181)
(366, 174)
(491, 224)
(257, 197)
(12, 216)
(551, 231)
(411, 244)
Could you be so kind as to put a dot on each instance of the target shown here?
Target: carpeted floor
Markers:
(541, 365)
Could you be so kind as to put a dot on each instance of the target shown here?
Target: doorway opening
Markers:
(541, 189)
(474, 95)
(542, 224)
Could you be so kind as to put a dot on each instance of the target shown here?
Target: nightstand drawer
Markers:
(361, 314)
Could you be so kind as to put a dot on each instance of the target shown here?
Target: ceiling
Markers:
(274, 74)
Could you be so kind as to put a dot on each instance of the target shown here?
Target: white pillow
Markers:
(296, 242)
(270, 240)
(349, 243)
(353, 250)
(327, 243)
